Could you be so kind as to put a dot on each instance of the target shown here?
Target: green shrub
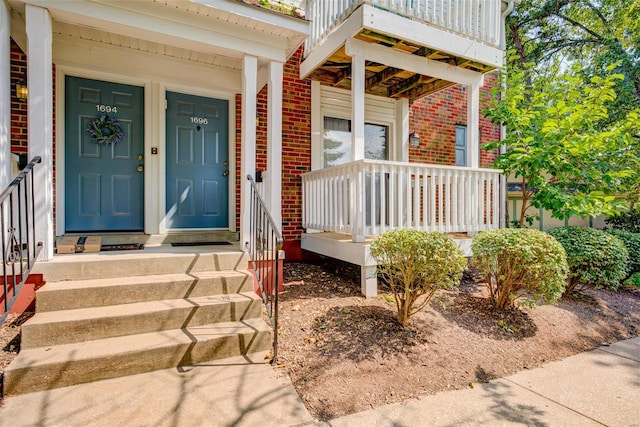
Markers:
(522, 266)
(595, 257)
(416, 264)
(631, 241)
(626, 221)
(633, 280)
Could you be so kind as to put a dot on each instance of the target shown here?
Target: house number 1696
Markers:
(106, 108)
(199, 120)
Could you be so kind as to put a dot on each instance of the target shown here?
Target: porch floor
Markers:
(340, 246)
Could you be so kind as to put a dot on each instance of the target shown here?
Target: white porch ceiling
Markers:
(215, 32)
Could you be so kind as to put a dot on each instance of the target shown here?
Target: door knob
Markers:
(140, 168)
(225, 173)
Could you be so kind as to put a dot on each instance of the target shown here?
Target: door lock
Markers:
(140, 157)
(225, 173)
(140, 168)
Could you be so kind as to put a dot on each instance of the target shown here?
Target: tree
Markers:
(570, 158)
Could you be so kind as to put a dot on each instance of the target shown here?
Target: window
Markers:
(337, 141)
(461, 145)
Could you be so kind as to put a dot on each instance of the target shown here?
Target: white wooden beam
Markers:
(169, 26)
(413, 63)
(5, 96)
(331, 44)
(40, 114)
(248, 151)
(473, 126)
(274, 141)
(317, 125)
(401, 147)
(357, 107)
(398, 26)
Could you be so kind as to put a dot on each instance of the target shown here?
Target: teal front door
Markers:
(197, 162)
(104, 179)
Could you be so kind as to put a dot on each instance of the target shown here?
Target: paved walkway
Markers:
(600, 387)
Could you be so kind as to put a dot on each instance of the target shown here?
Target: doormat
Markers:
(178, 244)
(123, 247)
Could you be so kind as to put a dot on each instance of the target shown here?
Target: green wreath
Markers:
(105, 130)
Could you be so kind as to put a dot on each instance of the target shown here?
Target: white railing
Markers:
(477, 19)
(369, 197)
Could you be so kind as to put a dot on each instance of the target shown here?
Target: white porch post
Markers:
(274, 142)
(5, 96)
(248, 129)
(473, 123)
(40, 113)
(357, 142)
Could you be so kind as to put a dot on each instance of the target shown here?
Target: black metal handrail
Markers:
(19, 246)
(264, 246)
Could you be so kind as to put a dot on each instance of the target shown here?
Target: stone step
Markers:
(46, 368)
(84, 324)
(103, 265)
(67, 295)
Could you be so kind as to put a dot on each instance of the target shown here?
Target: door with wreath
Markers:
(104, 156)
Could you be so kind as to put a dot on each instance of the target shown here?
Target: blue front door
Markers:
(197, 162)
(104, 181)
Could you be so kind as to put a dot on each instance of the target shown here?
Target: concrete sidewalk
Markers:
(600, 387)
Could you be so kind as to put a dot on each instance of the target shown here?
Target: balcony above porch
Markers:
(412, 45)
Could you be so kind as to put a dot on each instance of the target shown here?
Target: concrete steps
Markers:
(122, 313)
(46, 368)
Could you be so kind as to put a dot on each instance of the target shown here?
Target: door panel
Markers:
(103, 189)
(197, 150)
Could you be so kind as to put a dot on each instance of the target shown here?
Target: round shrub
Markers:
(416, 264)
(632, 243)
(594, 256)
(522, 266)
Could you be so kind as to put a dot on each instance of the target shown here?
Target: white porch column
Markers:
(357, 107)
(357, 144)
(40, 113)
(248, 129)
(5, 96)
(473, 124)
(274, 142)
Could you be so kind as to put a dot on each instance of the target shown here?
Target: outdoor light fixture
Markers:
(414, 139)
(21, 90)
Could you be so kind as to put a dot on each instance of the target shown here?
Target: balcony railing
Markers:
(476, 19)
(369, 197)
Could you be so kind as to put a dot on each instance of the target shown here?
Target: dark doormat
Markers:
(123, 247)
(178, 244)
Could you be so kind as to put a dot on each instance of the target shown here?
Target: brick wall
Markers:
(18, 106)
(434, 119)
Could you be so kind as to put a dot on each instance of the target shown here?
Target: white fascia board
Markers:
(178, 28)
(331, 44)
(415, 64)
(425, 35)
(261, 14)
(71, 52)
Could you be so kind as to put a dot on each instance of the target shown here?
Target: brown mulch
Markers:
(346, 354)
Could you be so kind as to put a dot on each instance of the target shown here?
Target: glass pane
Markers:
(375, 142)
(337, 141)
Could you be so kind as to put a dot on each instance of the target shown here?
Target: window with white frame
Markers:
(336, 137)
(461, 145)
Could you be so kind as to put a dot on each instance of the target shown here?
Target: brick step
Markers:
(45, 368)
(67, 295)
(139, 263)
(83, 324)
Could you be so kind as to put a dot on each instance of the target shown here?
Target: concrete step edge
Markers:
(76, 325)
(58, 366)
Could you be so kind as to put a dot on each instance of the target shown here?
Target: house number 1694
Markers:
(199, 120)
(106, 108)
